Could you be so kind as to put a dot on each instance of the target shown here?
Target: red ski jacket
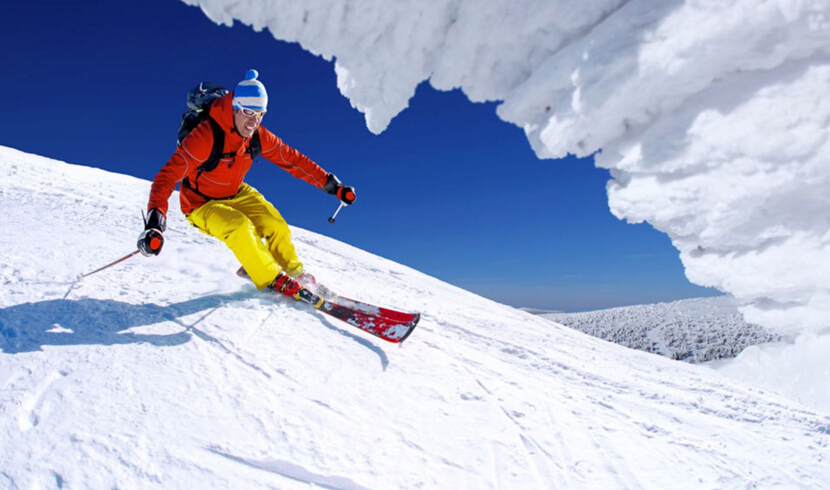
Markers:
(225, 179)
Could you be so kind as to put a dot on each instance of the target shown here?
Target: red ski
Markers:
(384, 323)
(400, 316)
(383, 327)
(394, 330)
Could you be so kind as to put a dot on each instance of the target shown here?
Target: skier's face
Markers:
(246, 125)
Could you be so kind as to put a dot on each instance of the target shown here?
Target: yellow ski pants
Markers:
(242, 223)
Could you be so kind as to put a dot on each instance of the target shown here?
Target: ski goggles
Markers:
(252, 112)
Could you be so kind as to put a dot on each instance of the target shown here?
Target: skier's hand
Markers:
(150, 242)
(345, 193)
(151, 239)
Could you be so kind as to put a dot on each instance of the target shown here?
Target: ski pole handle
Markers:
(331, 220)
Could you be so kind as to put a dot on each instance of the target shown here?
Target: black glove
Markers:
(343, 192)
(151, 239)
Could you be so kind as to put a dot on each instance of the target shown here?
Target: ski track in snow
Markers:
(171, 372)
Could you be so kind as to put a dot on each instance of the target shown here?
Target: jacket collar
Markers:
(222, 112)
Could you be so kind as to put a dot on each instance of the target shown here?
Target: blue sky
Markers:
(448, 189)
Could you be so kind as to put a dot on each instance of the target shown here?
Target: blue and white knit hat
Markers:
(250, 93)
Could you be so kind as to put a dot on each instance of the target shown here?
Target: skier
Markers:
(220, 204)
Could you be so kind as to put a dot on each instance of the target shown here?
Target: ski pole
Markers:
(331, 220)
(122, 259)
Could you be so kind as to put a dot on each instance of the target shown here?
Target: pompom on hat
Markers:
(250, 93)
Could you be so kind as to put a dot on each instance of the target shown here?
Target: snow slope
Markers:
(170, 372)
(711, 330)
(691, 330)
(711, 115)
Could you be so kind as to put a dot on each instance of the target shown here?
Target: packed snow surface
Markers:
(712, 116)
(171, 372)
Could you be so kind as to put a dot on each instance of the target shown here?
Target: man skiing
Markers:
(220, 204)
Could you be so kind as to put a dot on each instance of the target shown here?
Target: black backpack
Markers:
(199, 100)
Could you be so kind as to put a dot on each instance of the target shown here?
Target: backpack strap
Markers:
(186, 183)
(216, 154)
(212, 161)
(255, 148)
(218, 145)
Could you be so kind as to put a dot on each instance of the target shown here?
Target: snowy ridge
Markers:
(692, 330)
(711, 116)
(171, 372)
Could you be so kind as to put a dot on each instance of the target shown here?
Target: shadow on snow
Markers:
(29, 326)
